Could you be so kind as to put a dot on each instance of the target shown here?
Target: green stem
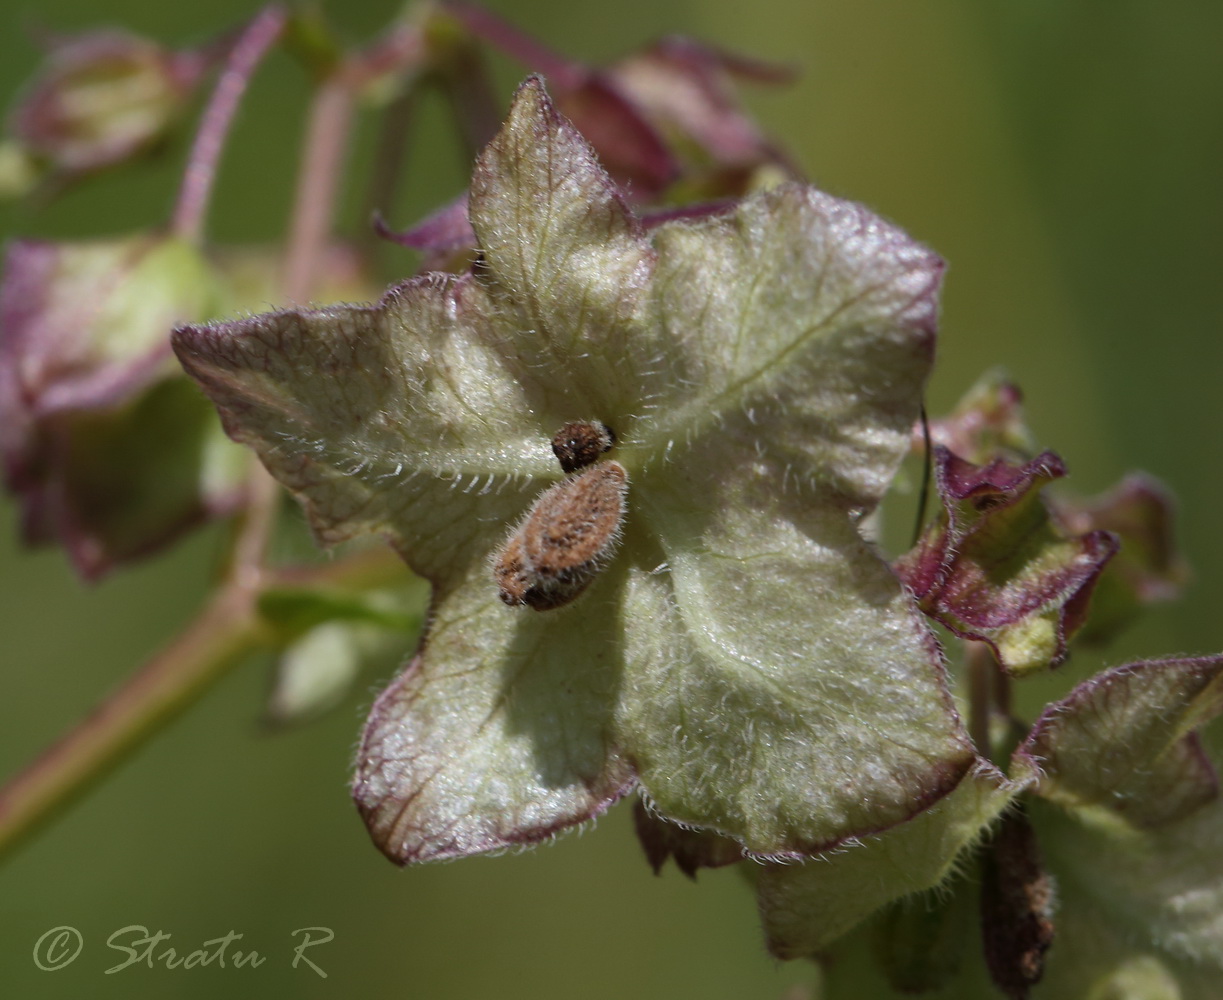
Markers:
(323, 152)
(218, 637)
(224, 632)
(979, 659)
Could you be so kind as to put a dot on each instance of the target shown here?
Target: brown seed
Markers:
(564, 540)
(580, 444)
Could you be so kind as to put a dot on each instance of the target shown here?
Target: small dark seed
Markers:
(580, 444)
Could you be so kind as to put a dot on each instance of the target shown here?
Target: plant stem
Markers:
(218, 638)
(169, 682)
(979, 659)
(252, 45)
(387, 169)
(229, 626)
(248, 550)
(317, 181)
(368, 569)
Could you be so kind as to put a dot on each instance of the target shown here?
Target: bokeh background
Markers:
(1065, 156)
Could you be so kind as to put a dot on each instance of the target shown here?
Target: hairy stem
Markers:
(193, 196)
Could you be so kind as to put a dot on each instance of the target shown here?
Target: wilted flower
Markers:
(633, 463)
(1048, 547)
(665, 114)
(995, 566)
(1148, 569)
(665, 122)
(106, 449)
(987, 424)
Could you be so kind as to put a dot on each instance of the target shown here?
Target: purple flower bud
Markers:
(109, 451)
(103, 97)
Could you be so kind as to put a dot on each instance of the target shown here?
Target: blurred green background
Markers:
(1065, 157)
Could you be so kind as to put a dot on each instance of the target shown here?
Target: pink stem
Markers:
(314, 203)
(165, 685)
(564, 73)
(226, 629)
(252, 45)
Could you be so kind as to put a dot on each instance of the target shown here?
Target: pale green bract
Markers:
(745, 657)
(805, 908)
(1132, 831)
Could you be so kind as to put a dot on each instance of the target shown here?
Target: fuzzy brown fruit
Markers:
(564, 540)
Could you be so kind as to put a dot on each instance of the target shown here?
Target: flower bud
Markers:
(108, 450)
(103, 97)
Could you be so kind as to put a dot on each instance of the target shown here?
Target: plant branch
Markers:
(979, 659)
(248, 549)
(222, 634)
(317, 181)
(229, 626)
(252, 45)
(389, 157)
(224, 630)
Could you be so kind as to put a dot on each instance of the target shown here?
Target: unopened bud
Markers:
(102, 98)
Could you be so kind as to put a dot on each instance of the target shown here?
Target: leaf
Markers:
(1128, 894)
(1134, 829)
(921, 940)
(498, 732)
(293, 611)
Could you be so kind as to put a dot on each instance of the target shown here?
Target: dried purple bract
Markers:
(994, 565)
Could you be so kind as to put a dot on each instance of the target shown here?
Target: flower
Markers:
(104, 444)
(664, 120)
(743, 655)
(662, 117)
